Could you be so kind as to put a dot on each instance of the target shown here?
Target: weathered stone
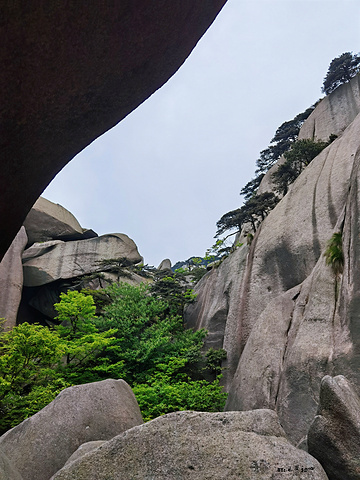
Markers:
(11, 280)
(334, 113)
(50, 261)
(50, 221)
(80, 69)
(334, 436)
(7, 471)
(295, 334)
(165, 265)
(287, 246)
(88, 233)
(218, 305)
(287, 319)
(41, 445)
(83, 449)
(193, 445)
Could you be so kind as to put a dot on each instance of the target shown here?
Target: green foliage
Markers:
(251, 187)
(296, 159)
(76, 312)
(253, 211)
(17, 407)
(29, 355)
(303, 152)
(162, 396)
(139, 338)
(334, 253)
(341, 70)
(282, 141)
(173, 288)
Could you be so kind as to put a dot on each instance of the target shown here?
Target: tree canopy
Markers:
(139, 337)
(253, 211)
(341, 70)
(296, 159)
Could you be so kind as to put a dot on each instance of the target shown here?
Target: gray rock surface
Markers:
(7, 471)
(11, 280)
(334, 436)
(287, 320)
(299, 336)
(83, 449)
(50, 221)
(41, 445)
(334, 113)
(44, 263)
(165, 265)
(193, 445)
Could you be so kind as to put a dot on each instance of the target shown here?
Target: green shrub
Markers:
(334, 253)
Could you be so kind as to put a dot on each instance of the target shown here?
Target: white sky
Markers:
(174, 166)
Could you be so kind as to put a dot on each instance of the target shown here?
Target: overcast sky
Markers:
(174, 166)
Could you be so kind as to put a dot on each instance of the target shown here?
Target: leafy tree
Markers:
(303, 152)
(251, 187)
(256, 208)
(341, 70)
(260, 205)
(288, 131)
(282, 141)
(137, 338)
(173, 288)
(76, 312)
(297, 158)
(235, 219)
(29, 355)
(284, 176)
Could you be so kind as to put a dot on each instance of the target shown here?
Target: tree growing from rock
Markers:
(296, 159)
(252, 212)
(341, 70)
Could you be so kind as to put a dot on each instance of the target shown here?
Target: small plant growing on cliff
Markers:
(334, 253)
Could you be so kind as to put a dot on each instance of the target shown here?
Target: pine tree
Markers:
(341, 70)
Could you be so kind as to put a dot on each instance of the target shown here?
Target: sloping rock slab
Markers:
(83, 449)
(50, 261)
(334, 436)
(7, 471)
(50, 221)
(11, 280)
(193, 445)
(41, 445)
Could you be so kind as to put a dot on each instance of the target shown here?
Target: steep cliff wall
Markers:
(293, 320)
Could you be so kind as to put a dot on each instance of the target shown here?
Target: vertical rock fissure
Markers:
(316, 241)
(243, 330)
(281, 366)
(331, 206)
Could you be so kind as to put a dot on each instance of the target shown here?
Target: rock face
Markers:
(83, 449)
(334, 436)
(41, 445)
(80, 70)
(50, 221)
(44, 263)
(192, 445)
(334, 113)
(283, 316)
(11, 280)
(7, 471)
(165, 265)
